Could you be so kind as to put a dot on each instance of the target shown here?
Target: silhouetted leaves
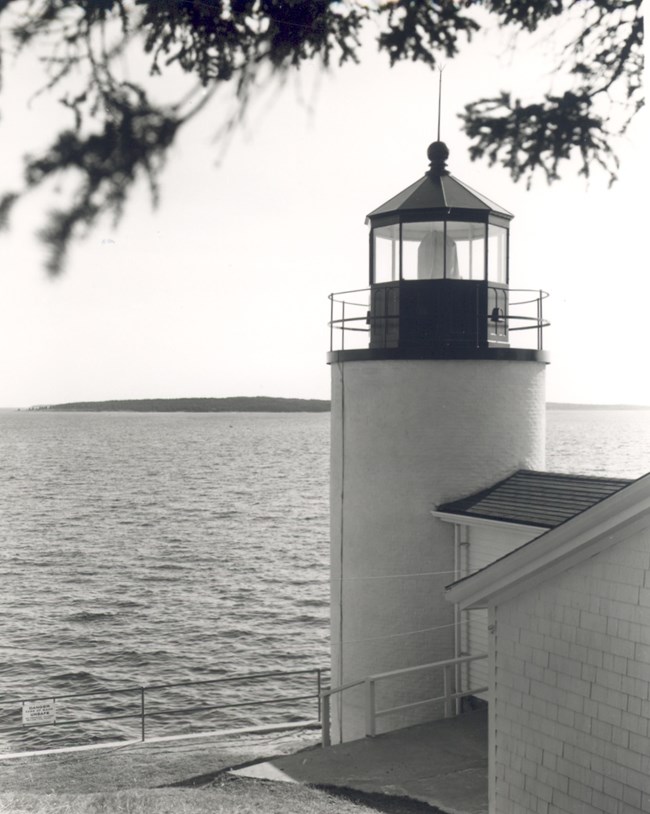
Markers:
(422, 31)
(524, 138)
(7, 202)
(605, 54)
(133, 142)
(118, 135)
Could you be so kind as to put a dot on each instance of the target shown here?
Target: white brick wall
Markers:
(406, 436)
(572, 689)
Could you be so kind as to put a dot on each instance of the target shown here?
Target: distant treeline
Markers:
(254, 404)
(559, 405)
(236, 404)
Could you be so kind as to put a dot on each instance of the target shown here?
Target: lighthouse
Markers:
(435, 395)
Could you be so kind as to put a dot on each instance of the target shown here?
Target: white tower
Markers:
(435, 406)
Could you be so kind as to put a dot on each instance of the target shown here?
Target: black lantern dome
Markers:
(439, 228)
(438, 259)
(440, 195)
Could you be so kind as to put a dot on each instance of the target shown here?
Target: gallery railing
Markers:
(350, 316)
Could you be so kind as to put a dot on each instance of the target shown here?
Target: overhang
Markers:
(584, 535)
(432, 353)
(534, 498)
(442, 193)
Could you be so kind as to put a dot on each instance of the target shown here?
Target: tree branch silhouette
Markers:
(120, 135)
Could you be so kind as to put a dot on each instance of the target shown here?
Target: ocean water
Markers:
(156, 548)
(609, 443)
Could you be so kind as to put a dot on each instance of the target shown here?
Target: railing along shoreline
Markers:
(145, 713)
(322, 697)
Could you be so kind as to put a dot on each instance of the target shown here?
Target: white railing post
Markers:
(142, 713)
(371, 721)
(446, 684)
(325, 720)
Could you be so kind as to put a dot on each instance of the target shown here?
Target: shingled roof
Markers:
(533, 498)
(432, 192)
(439, 196)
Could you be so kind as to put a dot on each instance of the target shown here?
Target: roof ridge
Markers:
(554, 474)
(493, 205)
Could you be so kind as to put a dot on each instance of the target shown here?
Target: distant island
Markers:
(560, 405)
(251, 404)
(235, 404)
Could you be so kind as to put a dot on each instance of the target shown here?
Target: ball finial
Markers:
(438, 153)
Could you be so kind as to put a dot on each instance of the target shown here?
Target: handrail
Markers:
(221, 680)
(170, 711)
(336, 294)
(342, 321)
(144, 713)
(541, 295)
(372, 713)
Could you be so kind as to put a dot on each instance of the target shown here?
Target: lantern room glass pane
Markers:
(386, 254)
(423, 251)
(454, 250)
(497, 254)
(468, 240)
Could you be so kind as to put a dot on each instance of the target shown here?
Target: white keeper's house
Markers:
(463, 575)
(569, 662)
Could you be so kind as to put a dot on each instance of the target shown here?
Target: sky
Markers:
(223, 290)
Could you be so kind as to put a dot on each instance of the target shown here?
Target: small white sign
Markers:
(39, 712)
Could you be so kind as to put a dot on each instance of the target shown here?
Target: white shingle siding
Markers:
(572, 689)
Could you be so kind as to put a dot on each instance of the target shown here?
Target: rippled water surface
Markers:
(142, 548)
(147, 548)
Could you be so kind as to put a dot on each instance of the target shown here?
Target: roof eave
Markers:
(576, 539)
(432, 187)
(474, 520)
(421, 214)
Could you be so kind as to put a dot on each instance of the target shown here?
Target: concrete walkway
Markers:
(443, 763)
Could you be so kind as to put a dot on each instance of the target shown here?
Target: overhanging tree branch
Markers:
(525, 138)
(119, 134)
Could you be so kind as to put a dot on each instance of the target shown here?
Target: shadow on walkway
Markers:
(443, 763)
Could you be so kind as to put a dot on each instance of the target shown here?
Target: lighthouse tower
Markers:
(431, 400)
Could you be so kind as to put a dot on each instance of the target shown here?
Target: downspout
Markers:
(463, 624)
(457, 644)
(341, 562)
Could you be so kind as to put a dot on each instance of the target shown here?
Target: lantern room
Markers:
(439, 273)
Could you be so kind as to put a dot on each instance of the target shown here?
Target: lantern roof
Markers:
(438, 190)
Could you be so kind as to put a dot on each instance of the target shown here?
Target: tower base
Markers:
(408, 435)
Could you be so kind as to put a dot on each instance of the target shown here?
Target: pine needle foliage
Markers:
(118, 134)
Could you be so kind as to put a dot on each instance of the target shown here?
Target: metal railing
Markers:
(537, 318)
(350, 316)
(343, 307)
(141, 709)
(449, 695)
